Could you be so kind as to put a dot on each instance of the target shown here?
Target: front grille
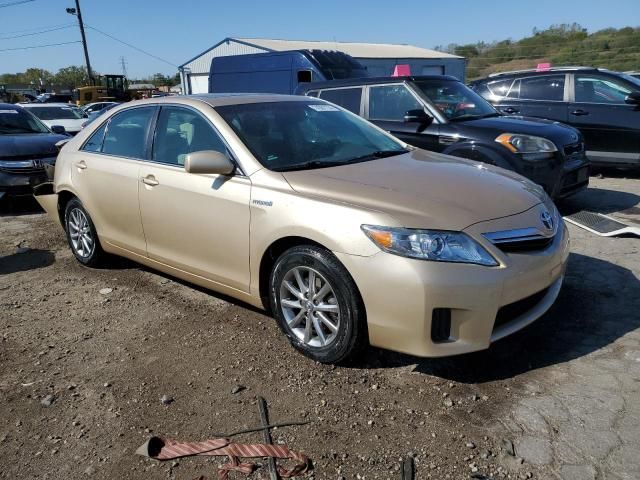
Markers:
(530, 245)
(512, 311)
(573, 149)
(21, 170)
(19, 158)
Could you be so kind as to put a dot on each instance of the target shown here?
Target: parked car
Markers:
(96, 106)
(603, 105)
(280, 72)
(27, 146)
(54, 98)
(343, 232)
(96, 113)
(441, 114)
(69, 116)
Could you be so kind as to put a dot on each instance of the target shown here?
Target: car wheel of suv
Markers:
(317, 304)
(81, 234)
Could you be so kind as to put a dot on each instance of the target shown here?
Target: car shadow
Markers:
(597, 305)
(27, 260)
(600, 200)
(16, 206)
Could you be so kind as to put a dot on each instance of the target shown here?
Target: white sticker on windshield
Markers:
(324, 108)
(8, 111)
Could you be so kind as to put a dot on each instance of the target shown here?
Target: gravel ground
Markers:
(86, 356)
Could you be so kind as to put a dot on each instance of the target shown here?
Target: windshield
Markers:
(296, 135)
(454, 99)
(632, 79)
(14, 120)
(56, 113)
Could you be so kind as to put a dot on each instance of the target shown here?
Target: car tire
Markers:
(317, 304)
(81, 234)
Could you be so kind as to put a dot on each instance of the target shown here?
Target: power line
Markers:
(10, 4)
(37, 33)
(131, 46)
(36, 28)
(38, 46)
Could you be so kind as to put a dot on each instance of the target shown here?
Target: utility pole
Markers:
(76, 11)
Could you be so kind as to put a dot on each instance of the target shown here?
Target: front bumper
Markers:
(401, 296)
(563, 175)
(14, 184)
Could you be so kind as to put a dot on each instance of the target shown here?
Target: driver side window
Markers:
(180, 131)
(391, 102)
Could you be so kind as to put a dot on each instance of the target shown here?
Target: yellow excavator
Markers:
(112, 88)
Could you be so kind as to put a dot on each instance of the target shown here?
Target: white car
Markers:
(64, 114)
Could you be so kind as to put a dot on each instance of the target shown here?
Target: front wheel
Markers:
(317, 304)
(82, 235)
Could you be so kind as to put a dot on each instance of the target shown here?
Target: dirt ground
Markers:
(82, 374)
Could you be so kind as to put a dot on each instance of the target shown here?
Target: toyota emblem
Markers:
(547, 220)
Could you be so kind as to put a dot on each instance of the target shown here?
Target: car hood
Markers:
(26, 144)
(423, 189)
(556, 131)
(70, 125)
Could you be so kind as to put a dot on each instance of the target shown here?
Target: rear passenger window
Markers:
(548, 87)
(94, 144)
(391, 102)
(127, 133)
(180, 131)
(348, 98)
(500, 88)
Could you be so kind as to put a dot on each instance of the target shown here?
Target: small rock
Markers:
(370, 422)
(470, 445)
(474, 397)
(106, 291)
(508, 447)
(106, 385)
(374, 387)
(48, 400)
(166, 400)
(89, 470)
(238, 389)
(448, 402)
(485, 398)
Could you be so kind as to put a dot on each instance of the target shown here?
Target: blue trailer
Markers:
(280, 72)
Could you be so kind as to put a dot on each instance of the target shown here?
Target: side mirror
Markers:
(208, 161)
(59, 129)
(419, 116)
(633, 98)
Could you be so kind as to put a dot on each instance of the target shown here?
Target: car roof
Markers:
(52, 104)
(220, 99)
(353, 82)
(7, 106)
(535, 71)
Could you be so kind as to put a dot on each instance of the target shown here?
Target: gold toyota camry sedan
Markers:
(346, 235)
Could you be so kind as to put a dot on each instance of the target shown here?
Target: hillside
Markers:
(616, 49)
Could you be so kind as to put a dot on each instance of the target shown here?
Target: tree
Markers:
(72, 76)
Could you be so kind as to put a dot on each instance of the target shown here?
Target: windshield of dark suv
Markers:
(455, 100)
(297, 135)
(15, 120)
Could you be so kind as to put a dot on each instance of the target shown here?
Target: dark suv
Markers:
(603, 105)
(441, 114)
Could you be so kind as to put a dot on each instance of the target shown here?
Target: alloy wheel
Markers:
(82, 240)
(310, 307)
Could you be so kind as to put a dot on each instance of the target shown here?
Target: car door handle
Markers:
(150, 180)
(579, 112)
(510, 110)
(81, 165)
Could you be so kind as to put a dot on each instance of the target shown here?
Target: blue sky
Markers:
(177, 30)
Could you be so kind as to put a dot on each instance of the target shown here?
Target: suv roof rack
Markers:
(551, 69)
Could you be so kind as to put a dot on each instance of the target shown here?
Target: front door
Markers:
(386, 108)
(610, 126)
(105, 175)
(196, 223)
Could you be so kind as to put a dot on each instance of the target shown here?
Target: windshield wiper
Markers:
(306, 165)
(377, 154)
(326, 163)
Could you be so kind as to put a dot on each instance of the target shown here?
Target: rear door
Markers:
(105, 176)
(541, 96)
(610, 126)
(386, 106)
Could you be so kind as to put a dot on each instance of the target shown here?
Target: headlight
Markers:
(443, 246)
(526, 144)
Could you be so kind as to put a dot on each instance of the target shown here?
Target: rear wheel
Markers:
(317, 304)
(82, 235)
